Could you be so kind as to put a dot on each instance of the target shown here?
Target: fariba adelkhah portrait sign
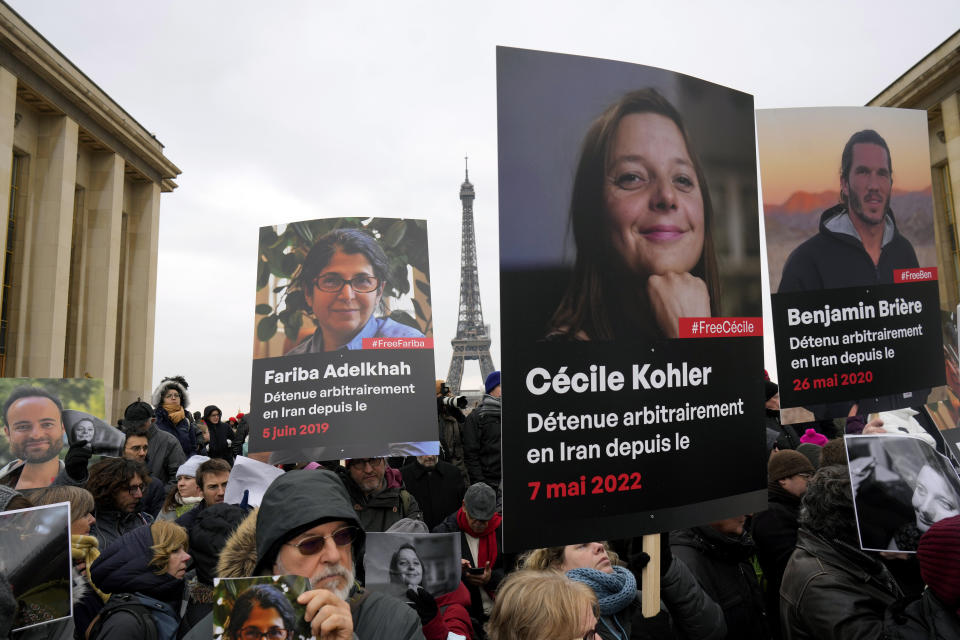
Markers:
(629, 239)
(343, 343)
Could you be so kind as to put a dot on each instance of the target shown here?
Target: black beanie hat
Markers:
(770, 389)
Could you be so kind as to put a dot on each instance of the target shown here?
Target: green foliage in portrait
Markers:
(280, 256)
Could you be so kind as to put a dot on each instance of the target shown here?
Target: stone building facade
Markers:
(933, 84)
(79, 227)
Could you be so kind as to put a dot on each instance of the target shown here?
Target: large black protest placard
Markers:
(343, 352)
(852, 259)
(633, 371)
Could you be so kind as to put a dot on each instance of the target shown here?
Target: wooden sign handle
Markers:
(650, 580)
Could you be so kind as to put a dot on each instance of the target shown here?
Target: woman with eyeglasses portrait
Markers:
(262, 612)
(342, 279)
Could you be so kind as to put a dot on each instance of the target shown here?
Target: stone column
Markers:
(101, 246)
(8, 113)
(42, 317)
(142, 204)
(950, 112)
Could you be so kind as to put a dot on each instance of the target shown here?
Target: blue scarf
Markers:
(615, 591)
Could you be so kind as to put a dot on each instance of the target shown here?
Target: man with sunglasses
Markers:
(117, 485)
(378, 495)
(307, 526)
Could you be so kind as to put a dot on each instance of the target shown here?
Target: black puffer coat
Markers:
(481, 442)
(221, 436)
(722, 566)
(439, 491)
(125, 568)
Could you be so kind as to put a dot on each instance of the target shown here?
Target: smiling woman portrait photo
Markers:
(641, 217)
(406, 567)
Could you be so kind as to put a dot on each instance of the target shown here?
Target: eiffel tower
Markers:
(473, 338)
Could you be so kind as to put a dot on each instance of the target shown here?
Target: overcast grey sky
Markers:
(313, 109)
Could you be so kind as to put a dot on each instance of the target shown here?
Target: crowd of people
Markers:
(151, 530)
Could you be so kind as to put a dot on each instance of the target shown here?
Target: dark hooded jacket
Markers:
(835, 258)
(125, 568)
(722, 566)
(833, 591)
(481, 442)
(208, 535)
(296, 502)
(383, 507)
(221, 436)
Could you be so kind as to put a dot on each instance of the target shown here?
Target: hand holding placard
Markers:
(328, 614)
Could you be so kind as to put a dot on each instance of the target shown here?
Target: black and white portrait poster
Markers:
(343, 349)
(35, 563)
(901, 487)
(852, 259)
(630, 280)
(394, 562)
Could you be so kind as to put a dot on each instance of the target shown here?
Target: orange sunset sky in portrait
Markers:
(800, 148)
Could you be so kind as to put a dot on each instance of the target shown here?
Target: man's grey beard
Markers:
(338, 569)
